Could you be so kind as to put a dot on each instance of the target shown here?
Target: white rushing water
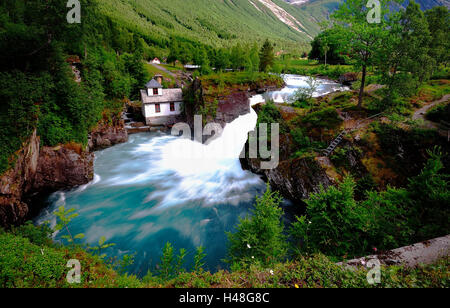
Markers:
(294, 82)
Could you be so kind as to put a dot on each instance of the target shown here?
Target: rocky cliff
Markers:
(39, 171)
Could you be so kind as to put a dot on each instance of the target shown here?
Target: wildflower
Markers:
(296, 286)
(248, 246)
(271, 272)
(253, 257)
(363, 262)
(375, 249)
(310, 222)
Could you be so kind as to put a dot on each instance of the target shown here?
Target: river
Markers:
(157, 188)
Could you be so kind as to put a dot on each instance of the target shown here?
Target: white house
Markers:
(156, 61)
(161, 106)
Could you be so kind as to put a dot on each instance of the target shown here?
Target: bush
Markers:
(439, 113)
(334, 223)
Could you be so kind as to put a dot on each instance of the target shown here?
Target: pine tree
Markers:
(266, 56)
(259, 238)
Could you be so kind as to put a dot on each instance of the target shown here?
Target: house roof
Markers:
(169, 96)
(153, 84)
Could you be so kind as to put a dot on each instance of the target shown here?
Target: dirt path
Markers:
(161, 68)
(420, 114)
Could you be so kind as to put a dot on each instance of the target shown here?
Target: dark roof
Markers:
(153, 84)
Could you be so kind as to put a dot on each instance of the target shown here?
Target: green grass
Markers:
(311, 67)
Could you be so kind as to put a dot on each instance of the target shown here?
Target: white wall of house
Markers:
(150, 110)
(150, 92)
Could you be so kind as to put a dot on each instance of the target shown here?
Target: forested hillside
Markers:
(39, 52)
(216, 23)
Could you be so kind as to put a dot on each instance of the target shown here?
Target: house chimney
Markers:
(158, 78)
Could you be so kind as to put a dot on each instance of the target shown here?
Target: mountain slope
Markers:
(215, 22)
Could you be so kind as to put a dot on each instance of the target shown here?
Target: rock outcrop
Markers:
(223, 106)
(17, 180)
(62, 168)
(39, 171)
(105, 136)
(295, 178)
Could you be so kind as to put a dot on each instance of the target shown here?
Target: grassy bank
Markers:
(46, 261)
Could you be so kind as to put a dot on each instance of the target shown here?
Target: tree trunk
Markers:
(361, 89)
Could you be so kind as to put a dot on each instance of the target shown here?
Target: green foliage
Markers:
(199, 259)
(324, 118)
(340, 226)
(171, 265)
(259, 238)
(429, 193)
(38, 235)
(19, 96)
(406, 53)
(336, 224)
(303, 96)
(102, 245)
(269, 114)
(326, 47)
(439, 113)
(438, 19)
(64, 218)
(216, 24)
(316, 271)
(362, 38)
(266, 57)
(166, 266)
(39, 90)
(44, 267)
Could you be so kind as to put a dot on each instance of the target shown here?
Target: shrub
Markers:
(43, 267)
(439, 113)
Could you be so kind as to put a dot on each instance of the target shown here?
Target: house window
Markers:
(155, 91)
(172, 107)
(157, 108)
